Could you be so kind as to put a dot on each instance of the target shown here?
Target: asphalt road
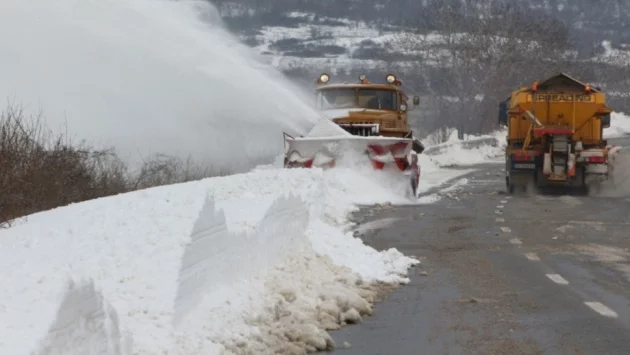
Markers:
(499, 274)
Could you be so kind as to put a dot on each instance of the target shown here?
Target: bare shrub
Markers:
(164, 169)
(40, 171)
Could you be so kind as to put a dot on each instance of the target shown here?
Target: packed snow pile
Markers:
(473, 149)
(619, 126)
(251, 263)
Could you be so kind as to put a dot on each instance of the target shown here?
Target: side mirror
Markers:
(416, 100)
(606, 121)
(503, 114)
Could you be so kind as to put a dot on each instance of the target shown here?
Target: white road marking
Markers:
(503, 201)
(601, 309)
(498, 212)
(516, 241)
(500, 220)
(506, 229)
(500, 206)
(508, 197)
(615, 223)
(558, 279)
(587, 222)
(532, 256)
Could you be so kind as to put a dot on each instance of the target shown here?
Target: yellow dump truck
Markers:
(555, 135)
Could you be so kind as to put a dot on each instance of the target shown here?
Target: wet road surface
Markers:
(500, 274)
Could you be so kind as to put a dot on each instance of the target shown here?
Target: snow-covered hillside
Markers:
(442, 49)
(300, 39)
(337, 48)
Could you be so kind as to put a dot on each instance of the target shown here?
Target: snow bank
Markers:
(249, 262)
(472, 150)
(619, 126)
(260, 262)
(457, 155)
(85, 324)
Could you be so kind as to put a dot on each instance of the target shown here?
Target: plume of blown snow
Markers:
(147, 77)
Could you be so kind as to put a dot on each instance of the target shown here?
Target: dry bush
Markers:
(163, 169)
(40, 171)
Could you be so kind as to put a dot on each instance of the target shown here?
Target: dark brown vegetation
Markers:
(41, 171)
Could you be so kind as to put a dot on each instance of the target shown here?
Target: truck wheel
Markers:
(508, 186)
(583, 187)
(417, 146)
(530, 187)
(414, 187)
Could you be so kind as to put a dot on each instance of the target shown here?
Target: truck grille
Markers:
(364, 129)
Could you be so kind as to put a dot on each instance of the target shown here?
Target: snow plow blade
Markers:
(327, 152)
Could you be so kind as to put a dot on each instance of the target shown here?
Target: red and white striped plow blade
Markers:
(326, 151)
(381, 154)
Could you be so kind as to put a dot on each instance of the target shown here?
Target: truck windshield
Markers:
(378, 99)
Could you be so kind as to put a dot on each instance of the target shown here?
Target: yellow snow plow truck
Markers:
(364, 117)
(555, 135)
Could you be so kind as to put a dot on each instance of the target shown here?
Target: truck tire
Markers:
(417, 146)
(414, 186)
(580, 176)
(508, 183)
(508, 186)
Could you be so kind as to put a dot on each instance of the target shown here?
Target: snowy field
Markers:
(342, 43)
(353, 37)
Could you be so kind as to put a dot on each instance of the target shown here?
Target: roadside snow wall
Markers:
(217, 258)
(85, 324)
(249, 263)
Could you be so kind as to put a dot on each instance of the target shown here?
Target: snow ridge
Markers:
(85, 324)
(208, 239)
(218, 257)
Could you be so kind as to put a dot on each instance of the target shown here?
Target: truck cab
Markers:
(365, 108)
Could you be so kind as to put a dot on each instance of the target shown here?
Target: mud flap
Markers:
(414, 185)
(414, 176)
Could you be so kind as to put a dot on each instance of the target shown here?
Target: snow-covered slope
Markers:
(255, 262)
(337, 47)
